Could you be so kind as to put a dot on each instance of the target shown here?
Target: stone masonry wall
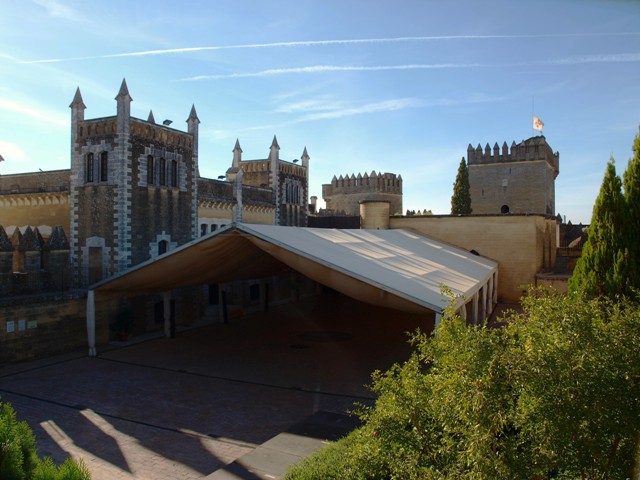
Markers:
(523, 245)
(516, 180)
(41, 327)
(344, 194)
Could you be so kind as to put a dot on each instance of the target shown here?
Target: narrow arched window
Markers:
(163, 171)
(162, 247)
(174, 173)
(104, 166)
(89, 168)
(150, 178)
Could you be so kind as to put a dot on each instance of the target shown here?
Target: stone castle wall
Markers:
(38, 199)
(31, 264)
(520, 180)
(523, 245)
(43, 326)
(344, 194)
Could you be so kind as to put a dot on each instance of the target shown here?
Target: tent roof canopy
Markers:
(394, 268)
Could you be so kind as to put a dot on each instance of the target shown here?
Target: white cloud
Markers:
(330, 68)
(603, 58)
(383, 106)
(22, 109)
(323, 103)
(57, 9)
(12, 152)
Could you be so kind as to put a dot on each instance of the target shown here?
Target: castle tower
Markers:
(344, 194)
(288, 181)
(133, 189)
(519, 181)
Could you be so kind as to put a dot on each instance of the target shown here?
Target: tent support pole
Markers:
(91, 323)
(166, 303)
(474, 309)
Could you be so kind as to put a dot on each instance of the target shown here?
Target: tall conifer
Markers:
(461, 199)
(603, 268)
(631, 182)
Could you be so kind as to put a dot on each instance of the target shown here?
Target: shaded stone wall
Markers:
(30, 264)
(41, 327)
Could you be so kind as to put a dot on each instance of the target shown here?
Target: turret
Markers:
(237, 193)
(305, 160)
(274, 150)
(150, 119)
(274, 156)
(124, 108)
(77, 107)
(192, 127)
(237, 154)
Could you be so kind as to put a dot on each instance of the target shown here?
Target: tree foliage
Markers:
(18, 458)
(461, 199)
(631, 183)
(603, 268)
(553, 394)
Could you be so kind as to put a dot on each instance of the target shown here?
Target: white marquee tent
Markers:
(398, 269)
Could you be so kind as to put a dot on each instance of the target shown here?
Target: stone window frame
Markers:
(163, 172)
(174, 173)
(104, 166)
(150, 170)
(154, 247)
(100, 242)
(89, 167)
(168, 169)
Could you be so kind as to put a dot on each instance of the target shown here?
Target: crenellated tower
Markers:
(288, 181)
(344, 194)
(133, 189)
(516, 180)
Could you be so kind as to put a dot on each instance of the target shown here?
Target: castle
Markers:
(344, 194)
(134, 192)
(518, 181)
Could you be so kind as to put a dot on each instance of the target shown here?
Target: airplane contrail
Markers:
(330, 68)
(312, 43)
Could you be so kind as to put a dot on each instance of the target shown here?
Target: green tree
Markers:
(553, 394)
(461, 199)
(603, 268)
(631, 182)
(18, 458)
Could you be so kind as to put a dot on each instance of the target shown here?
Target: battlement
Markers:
(532, 149)
(210, 190)
(345, 193)
(376, 182)
(35, 182)
(31, 263)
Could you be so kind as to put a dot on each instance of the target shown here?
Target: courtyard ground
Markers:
(186, 407)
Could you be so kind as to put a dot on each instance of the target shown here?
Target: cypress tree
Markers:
(603, 268)
(631, 183)
(461, 199)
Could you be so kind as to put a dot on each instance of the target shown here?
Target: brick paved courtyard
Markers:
(182, 408)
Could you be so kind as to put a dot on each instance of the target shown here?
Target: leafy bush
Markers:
(553, 394)
(18, 459)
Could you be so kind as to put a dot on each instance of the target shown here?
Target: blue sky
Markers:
(395, 86)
